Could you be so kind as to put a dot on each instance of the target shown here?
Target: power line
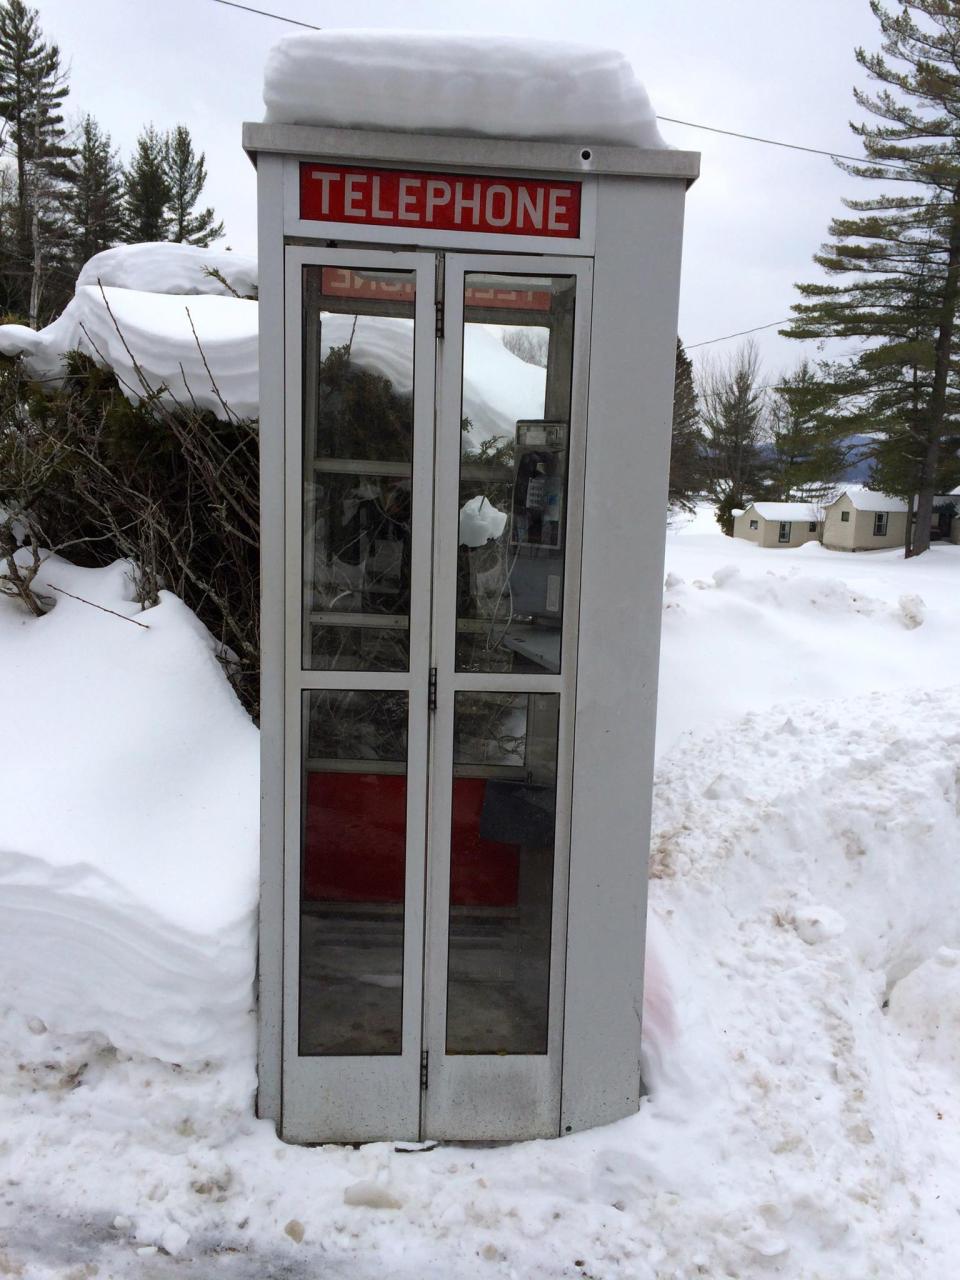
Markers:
(688, 346)
(232, 4)
(791, 146)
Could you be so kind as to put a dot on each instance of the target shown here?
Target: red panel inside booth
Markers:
(353, 847)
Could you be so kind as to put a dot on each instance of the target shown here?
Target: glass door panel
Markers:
(358, 396)
(352, 871)
(514, 461)
(359, 493)
(501, 871)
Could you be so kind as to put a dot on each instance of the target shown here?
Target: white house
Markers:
(863, 520)
(778, 524)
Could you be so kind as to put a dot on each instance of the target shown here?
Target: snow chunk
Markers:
(432, 82)
(480, 521)
(371, 1195)
(819, 924)
(926, 1005)
(164, 267)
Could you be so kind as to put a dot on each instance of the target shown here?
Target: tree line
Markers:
(65, 193)
(739, 440)
(893, 268)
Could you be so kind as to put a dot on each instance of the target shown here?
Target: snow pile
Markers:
(164, 267)
(432, 82)
(129, 863)
(800, 622)
(802, 1013)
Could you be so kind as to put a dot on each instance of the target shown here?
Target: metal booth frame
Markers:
(627, 258)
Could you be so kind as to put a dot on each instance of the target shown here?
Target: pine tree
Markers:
(806, 455)
(147, 194)
(734, 411)
(900, 255)
(32, 89)
(186, 176)
(687, 477)
(94, 200)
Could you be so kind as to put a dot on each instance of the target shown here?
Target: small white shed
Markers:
(778, 524)
(862, 520)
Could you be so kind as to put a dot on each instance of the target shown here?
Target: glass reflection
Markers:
(352, 872)
(518, 357)
(501, 872)
(358, 442)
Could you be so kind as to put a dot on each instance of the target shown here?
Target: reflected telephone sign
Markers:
(466, 368)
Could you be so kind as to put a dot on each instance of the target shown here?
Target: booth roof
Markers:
(490, 86)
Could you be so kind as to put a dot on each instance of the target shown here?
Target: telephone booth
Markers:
(467, 356)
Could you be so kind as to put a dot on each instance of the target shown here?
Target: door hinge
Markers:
(438, 295)
(424, 1068)
(432, 690)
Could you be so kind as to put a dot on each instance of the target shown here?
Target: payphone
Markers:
(459, 661)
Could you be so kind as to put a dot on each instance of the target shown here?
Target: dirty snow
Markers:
(802, 1024)
(435, 82)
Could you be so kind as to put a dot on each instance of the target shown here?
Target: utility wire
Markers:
(232, 4)
(791, 146)
(688, 346)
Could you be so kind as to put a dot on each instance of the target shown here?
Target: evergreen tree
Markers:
(147, 194)
(900, 256)
(806, 455)
(32, 89)
(687, 443)
(186, 175)
(94, 201)
(733, 411)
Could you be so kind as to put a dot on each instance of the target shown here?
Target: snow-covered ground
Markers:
(803, 1007)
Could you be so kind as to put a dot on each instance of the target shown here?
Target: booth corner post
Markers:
(467, 351)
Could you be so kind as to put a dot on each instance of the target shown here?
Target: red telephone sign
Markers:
(439, 201)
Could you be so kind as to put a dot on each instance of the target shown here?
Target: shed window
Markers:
(844, 517)
(812, 527)
(754, 524)
(880, 524)
(785, 527)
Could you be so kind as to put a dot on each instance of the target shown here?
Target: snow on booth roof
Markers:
(432, 82)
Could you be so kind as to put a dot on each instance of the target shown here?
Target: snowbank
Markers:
(800, 1022)
(432, 82)
(129, 864)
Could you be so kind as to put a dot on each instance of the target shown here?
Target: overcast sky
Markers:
(780, 68)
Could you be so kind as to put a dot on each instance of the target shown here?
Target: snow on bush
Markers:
(191, 346)
(432, 82)
(163, 267)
